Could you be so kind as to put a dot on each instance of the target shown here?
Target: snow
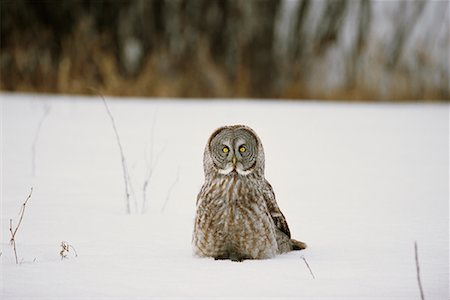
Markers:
(358, 182)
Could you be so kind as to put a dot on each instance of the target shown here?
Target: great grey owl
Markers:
(237, 215)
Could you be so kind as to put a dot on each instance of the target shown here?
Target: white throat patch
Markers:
(226, 171)
(244, 172)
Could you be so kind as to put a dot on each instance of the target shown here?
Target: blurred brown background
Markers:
(348, 50)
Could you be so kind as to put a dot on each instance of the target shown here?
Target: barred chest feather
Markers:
(233, 220)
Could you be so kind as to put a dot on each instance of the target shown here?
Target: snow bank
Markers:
(358, 182)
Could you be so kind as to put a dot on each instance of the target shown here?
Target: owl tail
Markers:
(297, 245)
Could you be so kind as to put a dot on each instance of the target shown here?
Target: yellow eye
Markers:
(242, 149)
(225, 149)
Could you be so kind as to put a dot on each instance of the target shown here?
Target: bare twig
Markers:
(14, 232)
(36, 137)
(150, 168)
(126, 175)
(418, 271)
(130, 182)
(75, 251)
(144, 191)
(170, 190)
(310, 271)
(12, 241)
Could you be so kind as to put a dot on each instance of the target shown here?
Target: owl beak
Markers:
(234, 160)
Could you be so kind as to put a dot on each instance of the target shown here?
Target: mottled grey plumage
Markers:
(237, 215)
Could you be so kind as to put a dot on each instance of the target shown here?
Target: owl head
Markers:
(234, 150)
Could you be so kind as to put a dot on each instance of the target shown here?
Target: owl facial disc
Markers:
(234, 149)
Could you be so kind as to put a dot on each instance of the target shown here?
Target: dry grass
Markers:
(87, 60)
(13, 231)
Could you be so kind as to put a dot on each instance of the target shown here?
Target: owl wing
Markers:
(274, 211)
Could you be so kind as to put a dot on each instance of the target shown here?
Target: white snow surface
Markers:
(360, 183)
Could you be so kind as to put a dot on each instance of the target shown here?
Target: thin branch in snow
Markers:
(170, 190)
(309, 268)
(14, 232)
(130, 182)
(150, 168)
(144, 191)
(126, 176)
(13, 241)
(416, 254)
(36, 138)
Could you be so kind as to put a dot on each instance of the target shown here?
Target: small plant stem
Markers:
(14, 232)
(309, 268)
(416, 254)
